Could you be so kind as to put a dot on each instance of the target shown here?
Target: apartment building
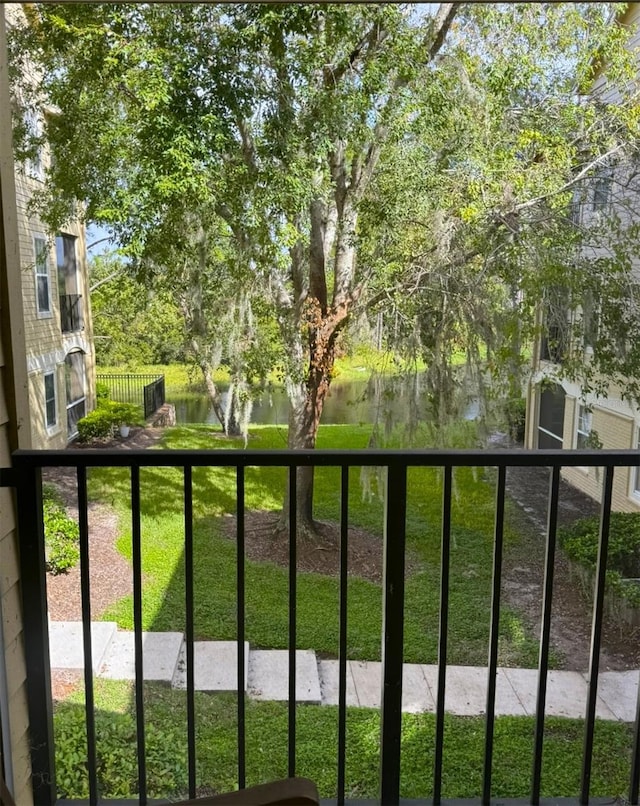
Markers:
(60, 356)
(559, 414)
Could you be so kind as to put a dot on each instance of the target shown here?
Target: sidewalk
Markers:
(215, 670)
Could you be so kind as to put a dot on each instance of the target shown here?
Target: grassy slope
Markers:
(266, 591)
(316, 748)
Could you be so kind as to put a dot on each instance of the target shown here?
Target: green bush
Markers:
(516, 410)
(103, 421)
(580, 541)
(60, 535)
(117, 768)
(102, 391)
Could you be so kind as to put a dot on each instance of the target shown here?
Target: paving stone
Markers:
(269, 675)
(416, 692)
(328, 670)
(367, 678)
(466, 691)
(215, 666)
(66, 647)
(160, 651)
(524, 682)
(567, 696)
(619, 692)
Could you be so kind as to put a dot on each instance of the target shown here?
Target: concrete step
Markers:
(160, 653)
(269, 675)
(66, 647)
(215, 666)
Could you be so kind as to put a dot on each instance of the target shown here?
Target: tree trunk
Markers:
(212, 390)
(306, 403)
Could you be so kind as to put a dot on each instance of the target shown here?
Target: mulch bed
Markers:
(318, 554)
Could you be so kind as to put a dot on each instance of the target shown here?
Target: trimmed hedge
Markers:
(103, 421)
(580, 541)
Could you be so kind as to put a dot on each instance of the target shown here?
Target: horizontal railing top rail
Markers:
(328, 458)
(129, 376)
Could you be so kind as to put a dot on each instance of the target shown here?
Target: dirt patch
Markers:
(523, 577)
(320, 555)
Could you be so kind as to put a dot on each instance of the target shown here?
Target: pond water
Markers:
(348, 402)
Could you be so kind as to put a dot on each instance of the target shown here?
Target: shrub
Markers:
(61, 535)
(102, 391)
(516, 410)
(580, 541)
(103, 421)
(117, 768)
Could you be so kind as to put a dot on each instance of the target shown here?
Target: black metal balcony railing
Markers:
(26, 478)
(71, 319)
(144, 390)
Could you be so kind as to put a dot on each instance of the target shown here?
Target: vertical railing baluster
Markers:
(240, 626)
(596, 633)
(189, 637)
(36, 633)
(493, 636)
(443, 632)
(342, 649)
(634, 783)
(543, 661)
(137, 627)
(393, 632)
(292, 618)
(85, 595)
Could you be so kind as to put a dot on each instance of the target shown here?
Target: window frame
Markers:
(602, 187)
(584, 418)
(51, 426)
(42, 252)
(635, 471)
(34, 165)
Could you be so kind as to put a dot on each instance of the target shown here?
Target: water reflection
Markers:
(348, 402)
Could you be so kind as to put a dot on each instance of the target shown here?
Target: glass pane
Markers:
(74, 376)
(50, 399)
(44, 305)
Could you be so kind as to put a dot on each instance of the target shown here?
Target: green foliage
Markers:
(102, 391)
(581, 540)
(117, 766)
(316, 748)
(130, 321)
(103, 421)
(516, 410)
(61, 534)
(318, 595)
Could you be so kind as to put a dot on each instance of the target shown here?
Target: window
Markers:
(584, 427)
(75, 389)
(51, 413)
(34, 166)
(66, 262)
(71, 319)
(602, 187)
(636, 471)
(43, 280)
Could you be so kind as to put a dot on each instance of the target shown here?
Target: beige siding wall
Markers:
(14, 431)
(614, 431)
(46, 344)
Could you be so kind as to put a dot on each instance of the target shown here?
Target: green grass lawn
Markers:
(267, 584)
(316, 748)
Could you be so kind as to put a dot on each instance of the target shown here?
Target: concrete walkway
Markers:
(317, 680)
